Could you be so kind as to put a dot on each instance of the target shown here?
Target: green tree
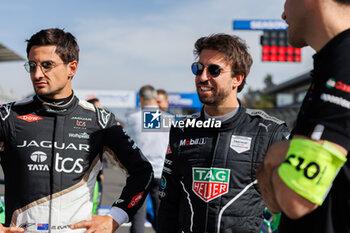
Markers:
(258, 99)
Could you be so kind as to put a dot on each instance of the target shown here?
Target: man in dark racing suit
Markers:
(208, 182)
(308, 178)
(51, 147)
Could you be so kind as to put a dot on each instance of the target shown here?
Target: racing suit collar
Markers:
(230, 123)
(56, 109)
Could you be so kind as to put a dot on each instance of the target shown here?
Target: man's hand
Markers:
(274, 157)
(98, 224)
(10, 229)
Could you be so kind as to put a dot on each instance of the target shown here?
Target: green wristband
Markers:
(310, 168)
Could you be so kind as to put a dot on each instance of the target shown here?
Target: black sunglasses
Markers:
(198, 68)
(46, 66)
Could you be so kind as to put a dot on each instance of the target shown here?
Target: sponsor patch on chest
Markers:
(240, 144)
(210, 183)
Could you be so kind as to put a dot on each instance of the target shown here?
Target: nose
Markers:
(203, 76)
(283, 16)
(38, 73)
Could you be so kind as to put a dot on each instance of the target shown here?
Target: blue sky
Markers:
(127, 44)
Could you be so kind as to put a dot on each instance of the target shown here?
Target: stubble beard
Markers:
(214, 100)
(296, 37)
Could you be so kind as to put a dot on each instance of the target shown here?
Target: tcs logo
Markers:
(68, 165)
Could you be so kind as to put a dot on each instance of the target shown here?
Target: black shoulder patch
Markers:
(5, 110)
(103, 117)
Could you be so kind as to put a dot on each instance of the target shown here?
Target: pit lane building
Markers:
(289, 96)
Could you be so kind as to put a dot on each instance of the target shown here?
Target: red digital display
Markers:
(275, 47)
(281, 54)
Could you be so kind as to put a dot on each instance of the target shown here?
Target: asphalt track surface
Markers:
(114, 181)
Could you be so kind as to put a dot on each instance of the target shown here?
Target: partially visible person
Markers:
(162, 100)
(51, 146)
(153, 146)
(96, 102)
(308, 178)
(97, 199)
(209, 176)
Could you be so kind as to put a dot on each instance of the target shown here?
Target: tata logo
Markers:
(210, 183)
(48, 145)
(191, 142)
(38, 157)
(30, 118)
(68, 165)
(135, 200)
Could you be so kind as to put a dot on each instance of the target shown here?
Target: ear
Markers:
(72, 68)
(237, 80)
(141, 101)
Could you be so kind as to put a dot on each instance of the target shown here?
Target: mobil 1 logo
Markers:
(210, 183)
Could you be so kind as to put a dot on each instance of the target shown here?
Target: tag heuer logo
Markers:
(210, 183)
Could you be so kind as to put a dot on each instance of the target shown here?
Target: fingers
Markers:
(100, 224)
(10, 229)
(81, 224)
(13, 229)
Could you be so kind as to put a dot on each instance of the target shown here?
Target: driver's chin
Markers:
(42, 91)
(208, 100)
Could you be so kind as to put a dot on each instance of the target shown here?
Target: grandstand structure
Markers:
(7, 55)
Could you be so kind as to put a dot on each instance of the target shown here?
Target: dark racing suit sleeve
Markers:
(2, 143)
(130, 158)
(281, 133)
(170, 190)
(325, 113)
(4, 113)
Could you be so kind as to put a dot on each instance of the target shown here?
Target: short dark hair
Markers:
(347, 2)
(66, 45)
(93, 100)
(234, 48)
(162, 92)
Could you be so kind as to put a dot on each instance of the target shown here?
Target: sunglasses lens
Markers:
(214, 70)
(30, 67)
(197, 68)
(47, 66)
(27, 67)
